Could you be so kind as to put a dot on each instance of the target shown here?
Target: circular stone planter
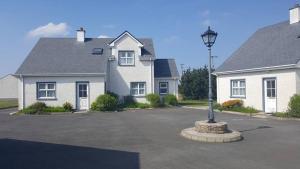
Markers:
(211, 132)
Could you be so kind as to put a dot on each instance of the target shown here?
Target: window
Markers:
(126, 57)
(97, 51)
(163, 87)
(138, 88)
(46, 90)
(238, 88)
(271, 88)
(82, 90)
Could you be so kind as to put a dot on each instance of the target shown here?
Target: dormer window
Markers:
(97, 51)
(126, 58)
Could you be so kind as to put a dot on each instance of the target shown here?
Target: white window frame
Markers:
(126, 57)
(160, 87)
(138, 88)
(239, 88)
(46, 89)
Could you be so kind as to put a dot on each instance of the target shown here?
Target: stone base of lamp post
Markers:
(211, 132)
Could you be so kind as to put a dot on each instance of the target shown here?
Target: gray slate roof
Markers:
(66, 55)
(273, 45)
(165, 68)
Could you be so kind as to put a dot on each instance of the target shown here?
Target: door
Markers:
(82, 96)
(270, 95)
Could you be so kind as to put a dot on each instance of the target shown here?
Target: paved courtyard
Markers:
(143, 139)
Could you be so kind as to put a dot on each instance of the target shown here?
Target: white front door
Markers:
(82, 96)
(270, 95)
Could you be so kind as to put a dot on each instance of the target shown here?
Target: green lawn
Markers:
(8, 103)
(194, 103)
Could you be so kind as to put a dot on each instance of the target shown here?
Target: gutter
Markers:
(61, 74)
(290, 66)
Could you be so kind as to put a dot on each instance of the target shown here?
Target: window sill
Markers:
(238, 97)
(46, 99)
(126, 65)
(138, 95)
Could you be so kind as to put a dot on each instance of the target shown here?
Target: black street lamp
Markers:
(209, 38)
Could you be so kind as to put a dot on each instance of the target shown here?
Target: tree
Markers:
(194, 84)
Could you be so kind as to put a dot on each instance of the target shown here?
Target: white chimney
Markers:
(295, 14)
(81, 35)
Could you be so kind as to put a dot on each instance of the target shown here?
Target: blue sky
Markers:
(174, 25)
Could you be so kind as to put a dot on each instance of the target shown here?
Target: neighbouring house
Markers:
(77, 70)
(8, 87)
(265, 71)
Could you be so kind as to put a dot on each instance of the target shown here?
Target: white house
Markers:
(8, 87)
(265, 71)
(77, 70)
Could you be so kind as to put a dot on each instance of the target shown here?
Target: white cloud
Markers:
(205, 13)
(103, 36)
(50, 30)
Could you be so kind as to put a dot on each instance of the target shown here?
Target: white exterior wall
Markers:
(120, 77)
(9, 87)
(286, 87)
(173, 85)
(294, 15)
(65, 89)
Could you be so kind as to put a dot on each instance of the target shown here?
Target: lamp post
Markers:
(209, 38)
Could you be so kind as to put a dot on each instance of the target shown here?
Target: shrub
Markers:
(68, 106)
(232, 103)
(170, 99)
(294, 106)
(105, 102)
(38, 106)
(218, 107)
(29, 111)
(55, 109)
(143, 105)
(154, 100)
(113, 94)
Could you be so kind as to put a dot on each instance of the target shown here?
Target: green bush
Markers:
(35, 108)
(154, 100)
(29, 111)
(39, 106)
(105, 102)
(280, 114)
(170, 99)
(143, 105)
(68, 106)
(294, 106)
(55, 109)
(113, 94)
(218, 106)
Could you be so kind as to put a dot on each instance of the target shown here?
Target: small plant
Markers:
(68, 106)
(105, 102)
(170, 99)
(218, 106)
(294, 106)
(232, 103)
(154, 100)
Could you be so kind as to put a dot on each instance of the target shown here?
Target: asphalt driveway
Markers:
(143, 139)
